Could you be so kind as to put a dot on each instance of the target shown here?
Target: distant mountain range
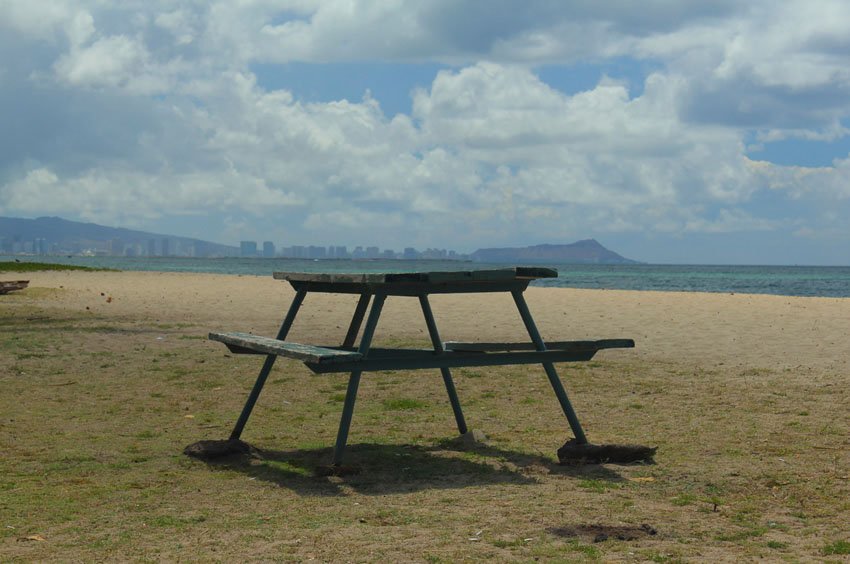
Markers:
(586, 251)
(61, 235)
(54, 235)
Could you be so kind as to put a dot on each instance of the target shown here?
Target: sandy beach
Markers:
(108, 375)
(752, 331)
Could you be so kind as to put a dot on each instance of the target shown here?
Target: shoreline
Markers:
(691, 328)
(795, 280)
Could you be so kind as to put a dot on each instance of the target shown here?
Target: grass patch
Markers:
(836, 548)
(397, 404)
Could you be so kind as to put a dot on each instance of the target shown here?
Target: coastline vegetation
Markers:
(9, 266)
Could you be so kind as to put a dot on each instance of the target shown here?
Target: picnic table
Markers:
(374, 288)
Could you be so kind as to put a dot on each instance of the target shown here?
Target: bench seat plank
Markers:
(413, 359)
(241, 343)
(550, 345)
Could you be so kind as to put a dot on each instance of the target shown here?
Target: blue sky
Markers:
(669, 131)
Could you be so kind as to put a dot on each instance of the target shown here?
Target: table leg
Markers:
(354, 379)
(356, 320)
(549, 367)
(447, 374)
(267, 366)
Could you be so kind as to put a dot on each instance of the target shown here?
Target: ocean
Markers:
(820, 281)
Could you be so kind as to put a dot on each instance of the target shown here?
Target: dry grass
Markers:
(95, 411)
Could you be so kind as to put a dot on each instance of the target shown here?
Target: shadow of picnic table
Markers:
(381, 469)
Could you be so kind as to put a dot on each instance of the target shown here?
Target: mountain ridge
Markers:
(588, 251)
(75, 235)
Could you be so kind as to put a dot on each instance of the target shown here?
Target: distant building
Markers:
(116, 247)
(340, 252)
(268, 249)
(315, 252)
(247, 248)
(151, 247)
(434, 254)
(373, 252)
(164, 248)
(203, 249)
(410, 253)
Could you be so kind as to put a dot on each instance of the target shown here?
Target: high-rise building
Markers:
(268, 249)
(248, 248)
(315, 252)
(410, 253)
(340, 252)
(116, 247)
(164, 248)
(151, 247)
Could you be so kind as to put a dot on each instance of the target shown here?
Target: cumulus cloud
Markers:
(154, 109)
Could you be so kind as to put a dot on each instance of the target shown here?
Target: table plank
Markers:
(417, 283)
(306, 353)
(380, 359)
(434, 277)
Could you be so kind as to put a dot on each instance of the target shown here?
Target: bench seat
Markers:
(324, 360)
(247, 343)
(471, 354)
(575, 346)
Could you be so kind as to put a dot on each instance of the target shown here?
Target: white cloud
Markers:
(111, 195)
(489, 152)
(110, 61)
(37, 19)
(180, 23)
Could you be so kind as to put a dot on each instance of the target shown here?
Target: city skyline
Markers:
(171, 247)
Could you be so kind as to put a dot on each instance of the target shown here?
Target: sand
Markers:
(710, 330)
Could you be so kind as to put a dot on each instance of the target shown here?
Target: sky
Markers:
(671, 131)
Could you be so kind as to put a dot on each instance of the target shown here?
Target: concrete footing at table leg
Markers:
(473, 437)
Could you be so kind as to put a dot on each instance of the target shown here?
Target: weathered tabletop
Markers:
(417, 283)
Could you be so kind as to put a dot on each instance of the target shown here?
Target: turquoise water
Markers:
(824, 281)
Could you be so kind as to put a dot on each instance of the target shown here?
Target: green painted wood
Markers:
(437, 343)
(417, 359)
(417, 283)
(268, 364)
(267, 345)
(413, 288)
(550, 345)
(549, 367)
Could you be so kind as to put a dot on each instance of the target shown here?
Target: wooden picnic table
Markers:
(374, 288)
